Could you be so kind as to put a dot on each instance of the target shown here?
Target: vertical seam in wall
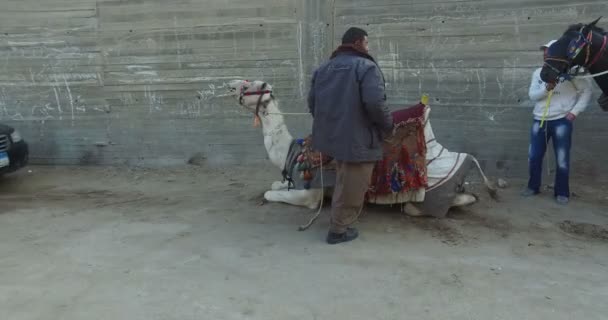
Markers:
(333, 28)
(301, 59)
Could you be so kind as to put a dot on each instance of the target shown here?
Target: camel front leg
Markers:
(303, 198)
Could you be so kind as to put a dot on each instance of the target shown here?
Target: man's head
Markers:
(357, 38)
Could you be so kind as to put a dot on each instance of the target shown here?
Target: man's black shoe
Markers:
(349, 235)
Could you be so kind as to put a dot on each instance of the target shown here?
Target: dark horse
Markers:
(580, 46)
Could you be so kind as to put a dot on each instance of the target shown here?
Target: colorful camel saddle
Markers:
(402, 169)
(303, 165)
(403, 165)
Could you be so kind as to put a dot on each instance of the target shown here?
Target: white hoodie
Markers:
(568, 96)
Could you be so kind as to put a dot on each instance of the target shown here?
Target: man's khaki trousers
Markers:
(352, 182)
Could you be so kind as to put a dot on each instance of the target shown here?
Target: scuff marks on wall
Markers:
(149, 76)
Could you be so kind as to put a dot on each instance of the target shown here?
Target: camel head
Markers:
(252, 95)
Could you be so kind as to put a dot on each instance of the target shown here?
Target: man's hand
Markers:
(550, 86)
(570, 116)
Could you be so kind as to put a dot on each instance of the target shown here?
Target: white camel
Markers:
(443, 166)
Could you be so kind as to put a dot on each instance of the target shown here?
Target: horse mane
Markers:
(578, 26)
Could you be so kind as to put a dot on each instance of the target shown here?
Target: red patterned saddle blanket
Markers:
(403, 165)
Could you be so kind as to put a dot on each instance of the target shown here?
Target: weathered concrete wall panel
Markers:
(136, 82)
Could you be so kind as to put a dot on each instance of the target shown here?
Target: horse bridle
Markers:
(557, 71)
(582, 42)
(260, 92)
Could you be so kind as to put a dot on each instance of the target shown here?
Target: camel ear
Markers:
(592, 24)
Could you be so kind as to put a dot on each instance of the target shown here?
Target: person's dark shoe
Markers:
(349, 235)
(529, 192)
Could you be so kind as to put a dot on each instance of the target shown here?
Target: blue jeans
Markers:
(560, 131)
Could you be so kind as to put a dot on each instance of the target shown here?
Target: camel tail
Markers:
(491, 187)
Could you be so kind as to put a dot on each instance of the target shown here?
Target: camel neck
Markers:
(277, 138)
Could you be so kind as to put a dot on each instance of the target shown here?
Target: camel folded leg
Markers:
(412, 210)
(463, 199)
(304, 198)
(279, 185)
(460, 200)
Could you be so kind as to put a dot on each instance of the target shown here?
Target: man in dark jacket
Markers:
(348, 102)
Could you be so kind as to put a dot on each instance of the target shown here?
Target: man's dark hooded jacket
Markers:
(348, 102)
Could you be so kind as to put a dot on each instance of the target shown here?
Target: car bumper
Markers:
(18, 155)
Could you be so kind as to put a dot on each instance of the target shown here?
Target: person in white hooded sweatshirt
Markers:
(569, 99)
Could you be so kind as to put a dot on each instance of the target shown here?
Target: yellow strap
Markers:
(546, 108)
(425, 99)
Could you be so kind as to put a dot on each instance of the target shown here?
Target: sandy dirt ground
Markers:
(191, 243)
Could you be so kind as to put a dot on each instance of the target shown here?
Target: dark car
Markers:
(14, 151)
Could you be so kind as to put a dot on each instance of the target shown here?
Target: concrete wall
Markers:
(96, 82)
(133, 81)
(475, 58)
